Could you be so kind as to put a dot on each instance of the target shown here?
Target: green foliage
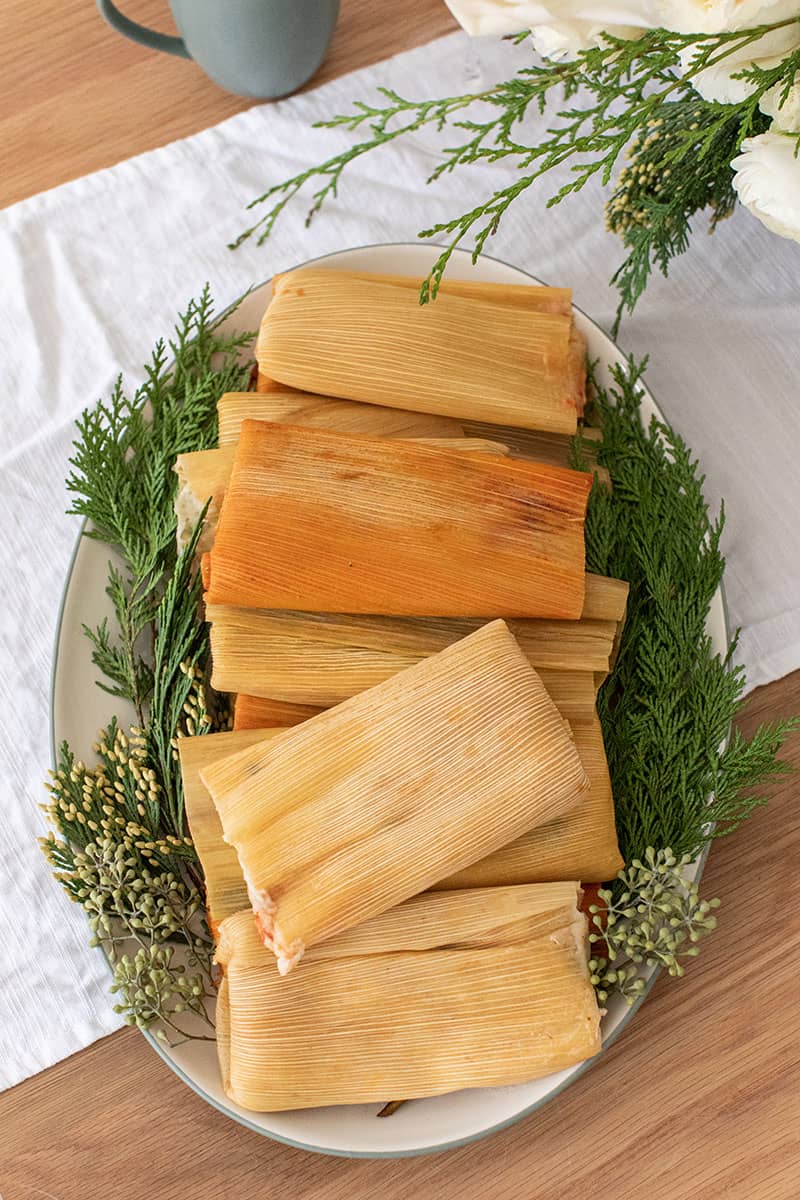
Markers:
(613, 97)
(670, 701)
(122, 851)
(123, 481)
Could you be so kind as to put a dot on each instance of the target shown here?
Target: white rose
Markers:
(565, 39)
(767, 180)
(570, 18)
(784, 115)
(719, 16)
(685, 16)
(715, 82)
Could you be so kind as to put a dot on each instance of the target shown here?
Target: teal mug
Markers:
(261, 48)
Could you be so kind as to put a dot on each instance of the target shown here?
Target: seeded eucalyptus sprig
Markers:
(653, 918)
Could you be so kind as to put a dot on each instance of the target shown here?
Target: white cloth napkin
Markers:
(96, 270)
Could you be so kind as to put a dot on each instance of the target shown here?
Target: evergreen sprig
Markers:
(633, 95)
(669, 703)
(120, 847)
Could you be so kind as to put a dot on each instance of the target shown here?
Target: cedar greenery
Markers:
(623, 96)
(119, 846)
(669, 703)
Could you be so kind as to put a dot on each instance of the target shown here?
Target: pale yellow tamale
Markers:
(344, 335)
(327, 522)
(203, 477)
(423, 775)
(225, 889)
(450, 990)
(580, 845)
(322, 412)
(323, 658)
(532, 297)
(587, 644)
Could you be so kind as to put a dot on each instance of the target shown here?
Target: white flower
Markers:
(784, 115)
(571, 19)
(767, 180)
(576, 19)
(565, 39)
(715, 82)
(719, 16)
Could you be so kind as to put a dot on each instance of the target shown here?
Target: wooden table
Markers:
(700, 1098)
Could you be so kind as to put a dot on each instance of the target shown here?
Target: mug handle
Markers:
(140, 33)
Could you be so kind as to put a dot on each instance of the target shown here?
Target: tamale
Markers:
(225, 888)
(423, 775)
(343, 335)
(323, 658)
(262, 712)
(264, 385)
(203, 475)
(532, 297)
(326, 522)
(580, 845)
(552, 448)
(450, 990)
(605, 599)
(320, 412)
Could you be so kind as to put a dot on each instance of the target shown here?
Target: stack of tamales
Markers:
(395, 834)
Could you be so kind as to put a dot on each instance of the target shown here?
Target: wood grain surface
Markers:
(76, 96)
(698, 1100)
(700, 1097)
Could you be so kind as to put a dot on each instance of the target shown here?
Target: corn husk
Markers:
(225, 888)
(205, 474)
(580, 845)
(447, 991)
(530, 297)
(423, 774)
(343, 335)
(203, 477)
(605, 599)
(320, 412)
(555, 449)
(263, 712)
(322, 659)
(325, 522)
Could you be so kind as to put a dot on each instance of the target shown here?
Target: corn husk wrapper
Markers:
(322, 659)
(423, 774)
(529, 297)
(447, 991)
(264, 712)
(224, 883)
(325, 522)
(344, 335)
(204, 476)
(580, 845)
(322, 412)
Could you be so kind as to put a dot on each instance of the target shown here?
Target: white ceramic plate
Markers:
(79, 709)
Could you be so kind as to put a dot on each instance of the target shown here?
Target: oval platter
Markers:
(79, 709)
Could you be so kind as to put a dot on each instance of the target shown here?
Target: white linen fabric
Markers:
(96, 270)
